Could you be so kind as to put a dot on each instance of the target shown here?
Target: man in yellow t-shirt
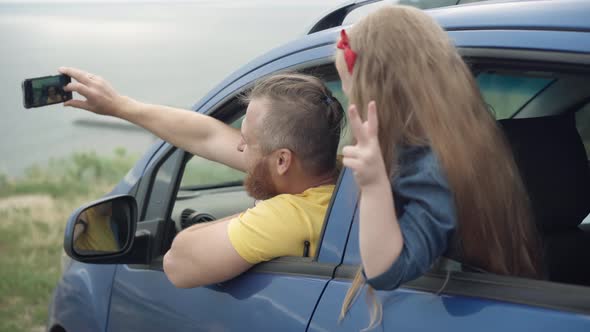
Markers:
(287, 146)
(285, 225)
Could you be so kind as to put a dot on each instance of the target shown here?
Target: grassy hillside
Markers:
(33, 213)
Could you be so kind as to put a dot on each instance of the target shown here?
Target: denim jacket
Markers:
(426, 214)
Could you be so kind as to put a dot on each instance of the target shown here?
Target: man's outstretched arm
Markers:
(196, 133)
(202, 256)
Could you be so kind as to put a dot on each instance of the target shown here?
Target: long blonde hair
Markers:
(426, 95)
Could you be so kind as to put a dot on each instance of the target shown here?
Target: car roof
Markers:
(539, 15)
(563, 15)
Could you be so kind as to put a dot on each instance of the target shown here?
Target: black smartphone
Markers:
(47, 90)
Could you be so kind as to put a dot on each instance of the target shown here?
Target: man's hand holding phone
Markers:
(100, 96)
(191, 131)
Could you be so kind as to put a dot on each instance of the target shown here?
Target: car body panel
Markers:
(526, 15)
(409, 310)
(258, 301)
(339, 221)
(82, 297)
(554, 41)
(448, 311)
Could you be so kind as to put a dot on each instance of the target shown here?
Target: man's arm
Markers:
(209, 223)
(203, 255)
(79, 228)
(196, 133)
(81, 225)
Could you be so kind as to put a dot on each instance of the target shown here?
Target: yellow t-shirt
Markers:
(98, 236)
(279, 226)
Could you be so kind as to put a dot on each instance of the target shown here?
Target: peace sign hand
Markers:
(365, 158)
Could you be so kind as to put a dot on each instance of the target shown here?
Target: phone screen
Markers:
(46, 90)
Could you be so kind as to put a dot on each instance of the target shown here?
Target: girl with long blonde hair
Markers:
(435, 173)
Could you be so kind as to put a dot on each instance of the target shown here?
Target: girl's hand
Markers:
(365, 158)
(101, 98)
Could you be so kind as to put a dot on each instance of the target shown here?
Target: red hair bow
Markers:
(349, 54)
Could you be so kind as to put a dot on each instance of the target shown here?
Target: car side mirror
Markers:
(102, 229)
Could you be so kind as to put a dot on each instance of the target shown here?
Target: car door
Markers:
(277, 295)
(452, 299)
(458, 301)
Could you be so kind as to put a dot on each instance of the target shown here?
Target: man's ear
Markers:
(284, 159)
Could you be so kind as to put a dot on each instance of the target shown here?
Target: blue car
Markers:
(532, 62)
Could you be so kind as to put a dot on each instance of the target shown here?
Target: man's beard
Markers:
(258, 182)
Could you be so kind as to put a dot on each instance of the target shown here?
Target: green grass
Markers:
(30, 268)
(69, 177)
(33, 213)
(34, 209)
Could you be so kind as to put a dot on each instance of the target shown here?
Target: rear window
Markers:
(506, 94)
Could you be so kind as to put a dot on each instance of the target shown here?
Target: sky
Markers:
(241, 2)
(147, 50)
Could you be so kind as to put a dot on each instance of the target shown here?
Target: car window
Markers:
(507, 94)
(200, 172)
(336, 88)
